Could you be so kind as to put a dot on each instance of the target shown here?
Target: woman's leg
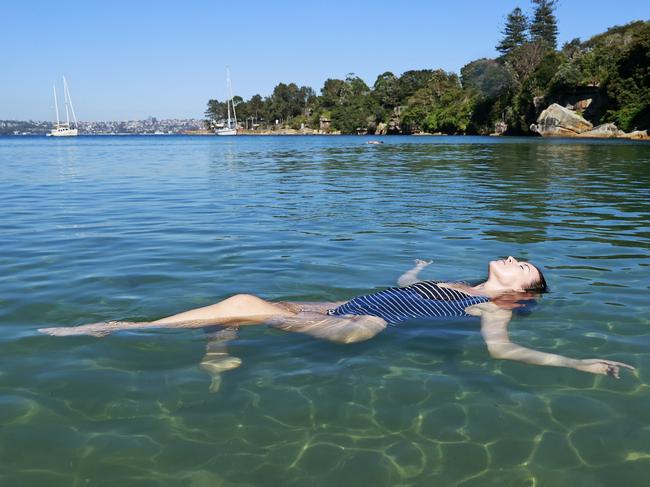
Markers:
(238, 309)
(217, 359)
(340, 329)
(241, 308)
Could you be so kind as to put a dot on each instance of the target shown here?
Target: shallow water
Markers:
(138, 228)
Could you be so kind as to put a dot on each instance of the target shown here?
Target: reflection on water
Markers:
(138, 228)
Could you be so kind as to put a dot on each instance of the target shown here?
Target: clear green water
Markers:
(141, 227)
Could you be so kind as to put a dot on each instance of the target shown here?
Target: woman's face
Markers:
(513, 274)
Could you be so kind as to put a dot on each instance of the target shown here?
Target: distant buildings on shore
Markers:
(149, 126)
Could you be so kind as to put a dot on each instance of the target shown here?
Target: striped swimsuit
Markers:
(424, 299)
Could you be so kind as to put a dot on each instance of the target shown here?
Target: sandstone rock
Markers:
(560, 122)
(500, 128)
(325, 124)
(393, 126)
(381, 129)
(636, 134)
(606, 130)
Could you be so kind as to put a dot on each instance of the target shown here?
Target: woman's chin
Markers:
(493, 268)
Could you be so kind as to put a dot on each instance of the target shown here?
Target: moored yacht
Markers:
(64, 129)
(231, 125)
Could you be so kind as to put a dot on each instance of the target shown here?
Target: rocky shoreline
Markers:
(558, 121)
(554, 121)
(283, 131)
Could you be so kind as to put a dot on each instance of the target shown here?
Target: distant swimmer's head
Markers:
(513, 275)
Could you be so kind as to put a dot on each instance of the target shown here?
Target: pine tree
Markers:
(514, 32)
(543, 28)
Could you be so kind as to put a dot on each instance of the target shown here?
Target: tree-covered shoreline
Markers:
(605, 79)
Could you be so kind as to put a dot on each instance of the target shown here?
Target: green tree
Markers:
(628, 85)
(256, 108)
(333, 92)
(485, 76)
(215, 112)
(307, 97)
(515, 32)
(288, 101)
(440, 105)
(350, 103)
(543, 27)
(451, 113)
(414, 80)
(524, 59)
(386, 90)
(487, 82)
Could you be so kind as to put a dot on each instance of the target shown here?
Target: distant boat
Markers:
(66, 129)
(231, 127)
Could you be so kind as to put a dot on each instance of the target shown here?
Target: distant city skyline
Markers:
(132, 60)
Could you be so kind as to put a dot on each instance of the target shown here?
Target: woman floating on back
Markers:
(509, 281)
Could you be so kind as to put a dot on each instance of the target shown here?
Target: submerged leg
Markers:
(238, 309)
(340, 329)
(217, 359)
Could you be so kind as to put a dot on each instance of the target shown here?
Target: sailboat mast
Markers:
(67, 90)
(56, 104)
(230, 100)
(65, 102)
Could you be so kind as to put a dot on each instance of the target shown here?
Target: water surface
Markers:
(137, 228)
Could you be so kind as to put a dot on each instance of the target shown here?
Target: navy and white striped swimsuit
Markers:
(424, 299)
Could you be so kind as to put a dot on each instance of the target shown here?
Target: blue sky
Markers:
(130, 60)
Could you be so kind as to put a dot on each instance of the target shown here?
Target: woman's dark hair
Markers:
(540, 285)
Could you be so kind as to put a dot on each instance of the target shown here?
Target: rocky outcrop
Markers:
(636, 135)
(606, 130)
(394, 126)
(381, 129)
(557, 121)
(583, 104)
(500, 128)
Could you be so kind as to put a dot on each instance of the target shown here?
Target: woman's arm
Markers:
(494, 328)
(411, 276)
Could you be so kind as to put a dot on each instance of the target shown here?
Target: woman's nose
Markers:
(511, 259)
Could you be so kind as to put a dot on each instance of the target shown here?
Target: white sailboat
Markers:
(64, 129)
(231, 126)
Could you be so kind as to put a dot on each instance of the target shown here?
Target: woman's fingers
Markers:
(605, 367)
(613, 370)
(627, 366)
(611, 363)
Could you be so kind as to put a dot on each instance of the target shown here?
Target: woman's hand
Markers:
(602, 366)
(411, 276)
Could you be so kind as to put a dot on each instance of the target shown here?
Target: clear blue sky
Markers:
(130, 60)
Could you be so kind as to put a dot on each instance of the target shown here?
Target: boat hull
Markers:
(64, 133)
(226, 131)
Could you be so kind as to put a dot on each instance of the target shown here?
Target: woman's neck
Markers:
(491, 289)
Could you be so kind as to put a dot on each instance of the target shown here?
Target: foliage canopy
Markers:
(612, 69)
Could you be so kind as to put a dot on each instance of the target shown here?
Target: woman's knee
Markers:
(244, 300)
(250, 304)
